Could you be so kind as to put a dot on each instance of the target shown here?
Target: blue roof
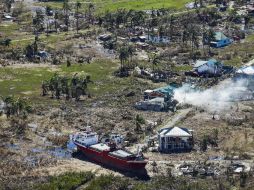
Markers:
(212, 62)
(165, 89)
(219, 36)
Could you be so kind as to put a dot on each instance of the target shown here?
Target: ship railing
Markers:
(82, 143)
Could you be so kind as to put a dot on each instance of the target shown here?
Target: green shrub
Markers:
(67, 181)
(102, 182)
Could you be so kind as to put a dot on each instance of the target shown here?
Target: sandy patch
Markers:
(27, 92)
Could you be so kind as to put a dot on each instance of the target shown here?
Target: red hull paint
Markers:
(104, 157)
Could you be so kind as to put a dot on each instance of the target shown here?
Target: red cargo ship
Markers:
(88, 144)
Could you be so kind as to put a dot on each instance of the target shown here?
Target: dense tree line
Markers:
(69, 87)
(16, 106)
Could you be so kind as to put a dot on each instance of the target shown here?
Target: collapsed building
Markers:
(160, 99)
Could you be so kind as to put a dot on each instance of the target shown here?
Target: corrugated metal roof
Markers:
(220, 36)
(210, 62)
(165, 89)
(249, 70)
(175, 132)
(199, 63)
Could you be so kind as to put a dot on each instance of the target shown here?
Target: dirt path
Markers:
(177, 118)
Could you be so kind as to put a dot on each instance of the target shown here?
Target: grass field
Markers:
(7, 29)
(20, 81)
(27, 81)
(111, 5)
(102, 6)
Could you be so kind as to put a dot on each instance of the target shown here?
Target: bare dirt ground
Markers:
(51, 126)
(231, 138)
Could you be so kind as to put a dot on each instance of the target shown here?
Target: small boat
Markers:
(108, 154)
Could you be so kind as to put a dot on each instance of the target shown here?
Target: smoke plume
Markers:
(216, 99)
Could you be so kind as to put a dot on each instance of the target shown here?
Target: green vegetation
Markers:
(180, 68)
(16, 106)
(250, 38)
(239, 53)
(28, 80)
(66, 181)
(60, 85)
(105, 182)
(139, 5)
(8, 29)
(20, 81)
(102, 6)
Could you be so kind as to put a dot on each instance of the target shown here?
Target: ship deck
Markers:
(100, 147)
(121, 153)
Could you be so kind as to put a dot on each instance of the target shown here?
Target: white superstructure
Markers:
(86, 138)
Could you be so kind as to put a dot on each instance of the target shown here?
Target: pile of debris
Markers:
(199, 169)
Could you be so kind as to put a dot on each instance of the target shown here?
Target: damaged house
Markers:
(159, 99)
(175, 139)
(220, 40)
(159, 92)
(209, 68)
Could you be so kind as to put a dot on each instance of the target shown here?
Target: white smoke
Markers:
(216, 99)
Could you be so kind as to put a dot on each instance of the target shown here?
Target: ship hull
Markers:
(103, 157)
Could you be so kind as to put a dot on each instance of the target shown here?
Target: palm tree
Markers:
(109, 20)
(120, 17)
(44, 87)
(208, 37)
(149, 28)
(155, 60)
(123, 56)
(8, 4)
(138, 18)
(38, 20)
(129, 16)
(56, 17)
(66, 8)
(172, 20)
(131, 51)
(65, 86)
(90, 7)
(78, 6)
(15, 106)
(161, 32)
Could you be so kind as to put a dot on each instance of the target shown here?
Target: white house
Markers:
(175, 139)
